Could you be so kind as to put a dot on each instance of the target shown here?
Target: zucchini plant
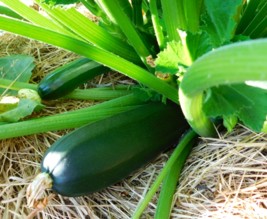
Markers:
(208, 56)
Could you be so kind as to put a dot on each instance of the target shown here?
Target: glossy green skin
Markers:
(68, 77)
(100, 154)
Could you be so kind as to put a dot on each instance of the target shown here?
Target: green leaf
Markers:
(24, 108)
(182, 53)
(169, 59)
(16, 68)
(230, 122)
(242, 101)
(198, 44)
(221, 19)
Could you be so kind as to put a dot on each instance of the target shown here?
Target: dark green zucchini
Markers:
(65, 79)
(100, 154)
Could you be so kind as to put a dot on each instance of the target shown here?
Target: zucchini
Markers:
(102, 153)
(65, 79)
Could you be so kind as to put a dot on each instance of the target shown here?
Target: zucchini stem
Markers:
(36, 190)
(99, 93)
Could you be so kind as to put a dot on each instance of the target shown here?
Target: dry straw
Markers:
(223, 177)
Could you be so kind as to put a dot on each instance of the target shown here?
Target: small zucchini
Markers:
(65, 79)
(100, 154)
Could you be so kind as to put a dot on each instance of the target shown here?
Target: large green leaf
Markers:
(16, 68)
(221, 19)
(247, 103)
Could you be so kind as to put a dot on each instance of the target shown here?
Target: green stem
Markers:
(72, 119)
(126, 8)
(6, 11)
(35, 17)
(104, 57)
(260, 30)
(186, 141)
(192, 10)
(102, 93)
(16, 85)
(91, 32)
(192, 109)
(174, 19)
(156, 24)
(92, 7)
(113, 9)
(137, 13)
(169, 185)
(105, 93)
(248, 15)
(258, 18)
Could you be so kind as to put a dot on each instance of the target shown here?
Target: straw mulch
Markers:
(224, 177)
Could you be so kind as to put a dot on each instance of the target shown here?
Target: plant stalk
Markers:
(187, 141)
(71, 119)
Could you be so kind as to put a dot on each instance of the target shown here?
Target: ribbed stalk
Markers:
(91, 32)
(174, 18)
(186, 143)
(137, 13)
(192, 10)
(113, 9)
(105, 93)
(248, 15)
(72, 119)
(8, 12)
(35, 17)
(169, 185)
(259, 20)
(156, 24)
